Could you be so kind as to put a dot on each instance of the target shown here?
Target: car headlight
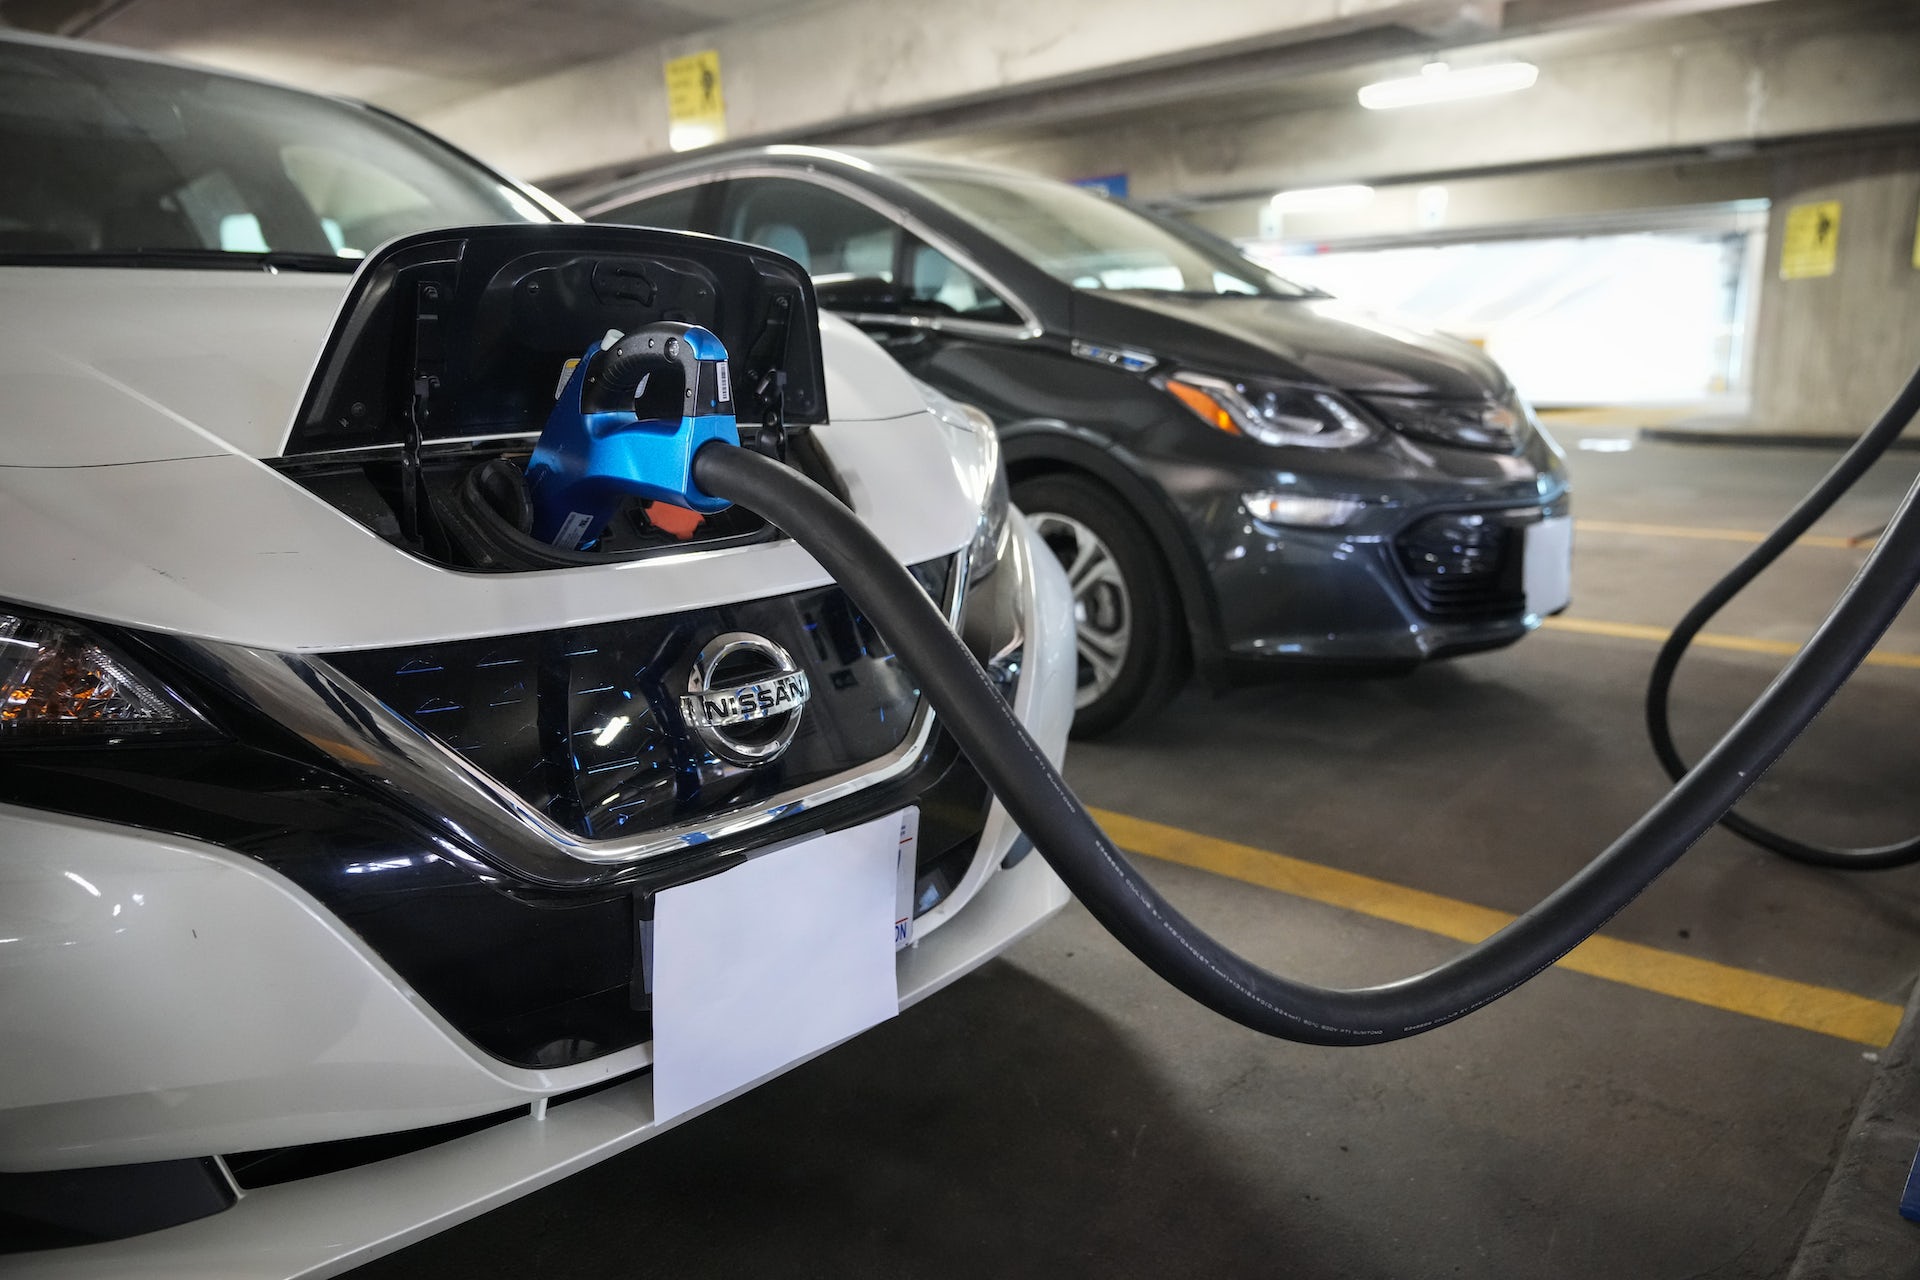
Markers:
(1270, 412)
(1493, 426)
(990, 540)
(983, 472)
(61, 683)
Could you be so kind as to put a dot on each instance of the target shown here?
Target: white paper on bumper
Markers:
(772, 961)
(1548, 568)
(906, 863)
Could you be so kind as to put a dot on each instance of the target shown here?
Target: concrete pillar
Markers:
(1832, 350)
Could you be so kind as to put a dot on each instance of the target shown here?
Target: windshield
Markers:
(1092, 242)
(113, 160)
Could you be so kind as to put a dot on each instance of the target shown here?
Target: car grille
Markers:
(583, 723)
(1464, 566)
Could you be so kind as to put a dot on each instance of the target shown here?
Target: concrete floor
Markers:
(1061, 1113)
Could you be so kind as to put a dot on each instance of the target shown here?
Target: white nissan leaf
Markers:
(370, 853)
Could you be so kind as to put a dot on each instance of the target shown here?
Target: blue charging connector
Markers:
(628, 420)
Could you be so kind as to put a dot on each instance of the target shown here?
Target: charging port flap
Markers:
(512, 304)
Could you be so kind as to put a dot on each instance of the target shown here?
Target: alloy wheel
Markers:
(1102, 606)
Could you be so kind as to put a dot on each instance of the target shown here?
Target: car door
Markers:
(911, 297)
(933, 313)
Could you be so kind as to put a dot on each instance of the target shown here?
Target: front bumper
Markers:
(166, 998)
(1345, 596)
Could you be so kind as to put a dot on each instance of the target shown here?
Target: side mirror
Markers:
(868, 294)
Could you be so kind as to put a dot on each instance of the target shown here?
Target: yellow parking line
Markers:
(1711, 640)
(1616, 416)
(1751, 536)
(1757, 995)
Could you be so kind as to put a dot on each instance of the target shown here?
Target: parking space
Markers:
(483, 790)
(1063, 1113)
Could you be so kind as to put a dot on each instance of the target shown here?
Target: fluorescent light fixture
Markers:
(1437, 82)
(1323, 199)
(612, 731)
(692, 136)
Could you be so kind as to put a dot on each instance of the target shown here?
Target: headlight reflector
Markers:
(59, 681)
(1271, 412)
(1488, 425)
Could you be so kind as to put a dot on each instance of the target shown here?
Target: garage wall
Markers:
(812, 67)
(1475, 206)
(1832, 351)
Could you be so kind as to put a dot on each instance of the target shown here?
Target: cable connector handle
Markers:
(620, 378)
(626, 425)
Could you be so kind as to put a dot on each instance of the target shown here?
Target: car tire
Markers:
(1131, 646)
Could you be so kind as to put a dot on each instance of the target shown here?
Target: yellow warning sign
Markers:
(1811, 244)
(696, 113)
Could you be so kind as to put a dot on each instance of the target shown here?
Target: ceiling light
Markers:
(1322, 199)
(1437, 82)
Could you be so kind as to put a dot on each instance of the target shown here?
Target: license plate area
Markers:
(1548, 568)
(771, 961)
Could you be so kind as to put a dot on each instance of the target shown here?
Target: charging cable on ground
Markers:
(1844, 475)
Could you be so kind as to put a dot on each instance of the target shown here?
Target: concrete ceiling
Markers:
(1235, 98)
(1706, 81)
(911, 69)
(556, 88)
(412, 56)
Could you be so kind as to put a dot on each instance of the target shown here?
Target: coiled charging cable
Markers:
(1845, 474)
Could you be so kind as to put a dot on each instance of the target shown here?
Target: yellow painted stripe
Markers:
(1704, 533)
(1711, 640)
(1617, 416)
(1757, 995)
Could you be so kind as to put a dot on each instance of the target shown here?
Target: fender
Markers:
(1040, 445)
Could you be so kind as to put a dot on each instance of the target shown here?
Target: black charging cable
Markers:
(1845, 474)
(1135, 913)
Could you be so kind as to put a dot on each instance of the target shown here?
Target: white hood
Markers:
(101, 365)
(135, 405)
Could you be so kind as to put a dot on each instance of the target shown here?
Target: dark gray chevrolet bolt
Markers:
(1241, 475)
